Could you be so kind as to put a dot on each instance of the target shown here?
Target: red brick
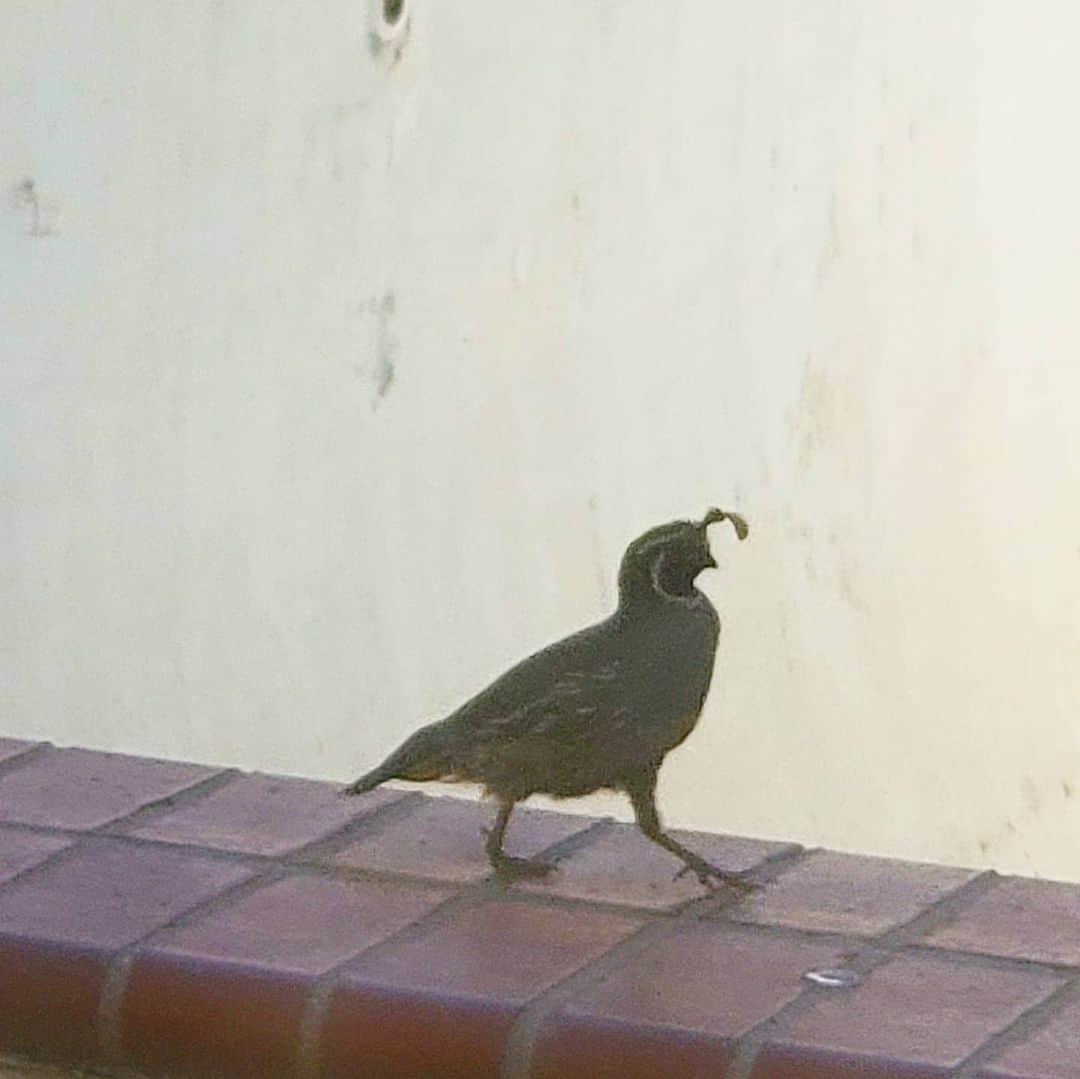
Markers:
(259, 814)
(678, 1007)
(185, 1018)
(303, 924)
(21, 850)
(847, 893)
(75, 788)
(60, 928)
(914, 1016)
(109, 895)
(442, 1003)
(443, 839)
(1021, 919)
(225, 995)
(14, 747)
(622, 866)
(49, 997)
(1051, 1052)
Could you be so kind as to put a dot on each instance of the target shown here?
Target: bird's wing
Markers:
(565, 686)
(565, 722)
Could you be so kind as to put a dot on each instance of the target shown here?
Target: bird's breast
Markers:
(676, 654)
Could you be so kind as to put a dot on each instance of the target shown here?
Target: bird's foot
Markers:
(711, 876)
(508, 868)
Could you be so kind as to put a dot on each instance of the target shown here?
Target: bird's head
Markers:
(667, 559)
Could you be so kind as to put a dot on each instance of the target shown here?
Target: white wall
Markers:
(336, 377)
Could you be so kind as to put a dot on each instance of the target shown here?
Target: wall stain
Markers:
(1029, 790)
(385, 348)
(830, 253)
(388, 37)
(44, 214)
(847, 574)
(326, 133)
(1033, 802)
(815, 419)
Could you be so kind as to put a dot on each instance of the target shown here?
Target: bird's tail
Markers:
(370, 781)
(420, 758)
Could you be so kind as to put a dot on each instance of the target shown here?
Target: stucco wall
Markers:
(336, 375)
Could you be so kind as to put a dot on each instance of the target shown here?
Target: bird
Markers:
(600, 709)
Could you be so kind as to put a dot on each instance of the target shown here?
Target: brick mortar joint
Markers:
(365, 823)
(1027, 1023)
(77, 846)
(168, 803)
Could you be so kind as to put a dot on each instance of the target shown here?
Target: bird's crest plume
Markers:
(742, 529)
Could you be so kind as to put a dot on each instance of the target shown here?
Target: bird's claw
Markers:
(509, 869)
(710, 876)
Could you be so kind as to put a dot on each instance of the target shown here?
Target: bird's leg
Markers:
(507, 867)
(642, 791)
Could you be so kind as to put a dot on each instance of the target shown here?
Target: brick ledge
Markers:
(162, 918)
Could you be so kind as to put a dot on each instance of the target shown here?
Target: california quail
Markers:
(599, 709)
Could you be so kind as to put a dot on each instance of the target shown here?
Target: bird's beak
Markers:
(711, 563)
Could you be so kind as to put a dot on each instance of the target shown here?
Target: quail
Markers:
(599, 709)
